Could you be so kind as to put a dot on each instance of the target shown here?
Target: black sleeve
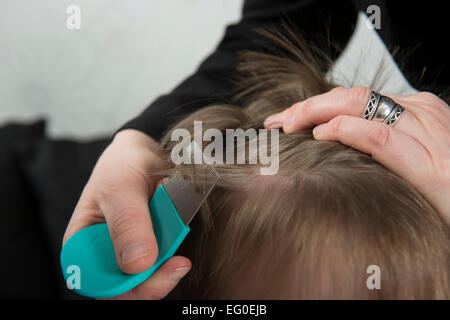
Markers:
(210, 83)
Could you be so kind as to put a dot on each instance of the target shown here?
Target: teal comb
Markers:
(90, 251)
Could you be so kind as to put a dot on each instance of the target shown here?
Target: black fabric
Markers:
(421, 30)
(41, 181)
(56, 172)
(25, 268)
(414, 27)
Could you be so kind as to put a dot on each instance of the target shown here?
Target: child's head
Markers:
(312, 229)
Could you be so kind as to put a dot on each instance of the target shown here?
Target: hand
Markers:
(416, 147)
(118, 192)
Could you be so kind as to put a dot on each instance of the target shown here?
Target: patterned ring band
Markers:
(383, 109)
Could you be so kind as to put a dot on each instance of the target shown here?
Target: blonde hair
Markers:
(312, 230)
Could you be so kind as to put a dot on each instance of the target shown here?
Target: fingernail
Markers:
(317, 132)
(273, 125)
(133, 252)
(179, 273)
(271, 120)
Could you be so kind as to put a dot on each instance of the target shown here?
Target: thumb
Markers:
(128, 218)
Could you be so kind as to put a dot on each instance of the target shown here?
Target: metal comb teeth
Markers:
(188, 196)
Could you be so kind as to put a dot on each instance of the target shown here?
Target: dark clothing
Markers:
(416, 28)
(41, 182)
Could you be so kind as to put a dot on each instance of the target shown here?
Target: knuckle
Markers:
(125, 222)
(432, 100)
(436, 128)
(428, 115)
(335, 126)
(379, 135)
(307, 107)
(337, 88)
(427, 109)
(358, 95)
(428, 96)
(432, 105)
(109, 189)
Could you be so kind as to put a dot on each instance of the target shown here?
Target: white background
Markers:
(88, 82)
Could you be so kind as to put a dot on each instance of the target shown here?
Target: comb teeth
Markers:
(188, 197)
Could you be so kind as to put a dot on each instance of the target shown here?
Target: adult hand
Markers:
(118, 192)
(416, 147)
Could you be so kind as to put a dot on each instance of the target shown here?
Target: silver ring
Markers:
(382, 109)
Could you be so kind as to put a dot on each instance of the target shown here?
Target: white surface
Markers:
(88, 82)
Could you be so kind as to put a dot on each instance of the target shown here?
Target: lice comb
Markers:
(91, 253)
(189, 197)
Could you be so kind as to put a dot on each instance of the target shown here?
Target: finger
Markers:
(124, 204)
(338, 88)
(86, 213)
(388, 146)
(427, 99)
(276, 120)
(322, 108)
(352, 101)
(162, 281)
(431, 116)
